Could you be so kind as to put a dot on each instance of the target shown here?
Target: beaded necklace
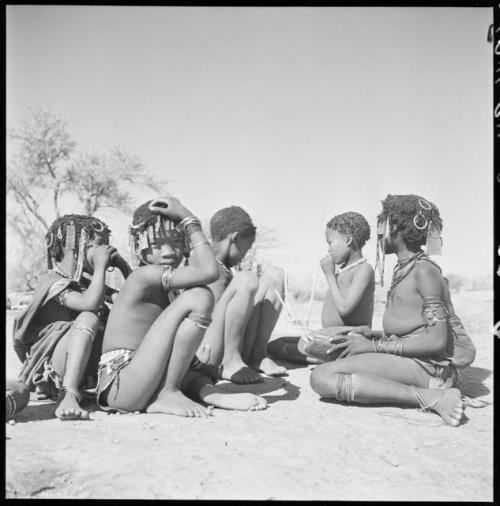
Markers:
(351, 266)
(60, 272)
(225, 268)
(403, 268)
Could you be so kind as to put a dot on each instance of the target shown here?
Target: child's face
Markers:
(239, 248)
(88, 259)
(167, 250)
(338, 245)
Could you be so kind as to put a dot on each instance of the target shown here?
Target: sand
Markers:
(299, 448)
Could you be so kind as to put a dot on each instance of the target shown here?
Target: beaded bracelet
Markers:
(166, 278)
(189, 220)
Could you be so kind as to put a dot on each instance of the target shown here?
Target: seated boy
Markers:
(416, 359)
(247, 307)
(349, 300)
(159, 319)
(56, 334)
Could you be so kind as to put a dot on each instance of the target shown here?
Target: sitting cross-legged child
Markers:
(349, 300)
(416, 360)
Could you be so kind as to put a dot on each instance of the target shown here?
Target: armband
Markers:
(433, 311)
(166, 278)
(61, 296)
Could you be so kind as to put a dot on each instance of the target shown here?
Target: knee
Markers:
(323, 381)
(247, 282)
(89, 320)
(200, 299)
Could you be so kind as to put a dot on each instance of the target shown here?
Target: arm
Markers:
(93, 297)
(346, 303)
(202, 268)
(432, 341)
(118, 261)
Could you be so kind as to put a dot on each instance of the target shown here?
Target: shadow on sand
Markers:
(277, 389)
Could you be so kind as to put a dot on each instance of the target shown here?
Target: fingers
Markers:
(336, 347)
(345, 353)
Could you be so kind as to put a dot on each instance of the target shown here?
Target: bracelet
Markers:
(199, 243)
(189, 220)
(166, 278)
(374, 346)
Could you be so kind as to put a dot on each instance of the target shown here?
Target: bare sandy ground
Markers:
(299, 448)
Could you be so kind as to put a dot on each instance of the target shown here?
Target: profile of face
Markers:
(239, 246)
(339, 245)
(98, 240)
(166, 250)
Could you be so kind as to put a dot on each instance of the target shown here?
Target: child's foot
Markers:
(69, 408)
(176, 403)
(238, 372)
(449, 404)
(239, 401)
(271, 368)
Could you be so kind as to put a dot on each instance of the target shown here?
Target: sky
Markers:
(295, 114)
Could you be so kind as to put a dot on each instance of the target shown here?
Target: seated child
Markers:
(247, 307)
(416, 359)
(57, 332)
(17, 396)
(159, 319)
(349, 300)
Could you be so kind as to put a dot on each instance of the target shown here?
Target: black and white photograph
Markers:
(250, 252)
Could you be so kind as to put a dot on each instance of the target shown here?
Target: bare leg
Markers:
(159, 364)
(267, 308)
(19, 397)
(70, 360)
(387, 379)
(233, 320)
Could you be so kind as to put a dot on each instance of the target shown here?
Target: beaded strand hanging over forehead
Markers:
(71, 234)
(147, 228)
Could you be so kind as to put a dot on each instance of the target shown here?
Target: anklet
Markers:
(423, 408)
(73, 391)
(12, 404)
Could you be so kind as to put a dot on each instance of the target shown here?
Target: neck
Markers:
(405, 253)
(67, 265)
(353, 257)
(221, 252)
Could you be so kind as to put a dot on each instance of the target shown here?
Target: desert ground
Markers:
(300, 448)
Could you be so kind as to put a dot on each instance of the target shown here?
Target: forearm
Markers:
(338, 299)
(202, 258)
(93, 298)
(123, 266)
(431, 342)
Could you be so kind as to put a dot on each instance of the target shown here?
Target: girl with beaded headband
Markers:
(155, 326)
(416, 360)
(56, 334)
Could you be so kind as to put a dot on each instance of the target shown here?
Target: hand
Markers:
(327, 264)
(352, 344)
(102, 255)
(170, 207)
(364, 330)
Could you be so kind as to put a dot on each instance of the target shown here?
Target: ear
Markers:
(348, 240)
(233, 236)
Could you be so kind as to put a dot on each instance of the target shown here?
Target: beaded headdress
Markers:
(149, 228)
(73, 233)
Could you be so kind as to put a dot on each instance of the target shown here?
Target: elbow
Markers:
(344, 311)
(211, 275)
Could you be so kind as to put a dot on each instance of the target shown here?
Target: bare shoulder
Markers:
(424, 270)
(428, 279)
(365, 271)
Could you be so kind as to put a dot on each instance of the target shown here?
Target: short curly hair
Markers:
(403, 211)
(143, 216)
(353, 224)
(231, 219)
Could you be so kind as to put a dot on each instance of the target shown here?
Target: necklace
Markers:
(60, 272)
(225, 268)
(351, 266)
(403, 268)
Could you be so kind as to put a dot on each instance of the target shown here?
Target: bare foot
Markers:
(450, 405)
(176, 403)
(240, 401)
(69, 408)
(238, 372)
(271, 368)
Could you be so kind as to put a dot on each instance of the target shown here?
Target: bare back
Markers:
(141, 300)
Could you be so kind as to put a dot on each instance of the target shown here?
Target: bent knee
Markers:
(246, 281)
(200, 299)
(321, 381)
(88, 319)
